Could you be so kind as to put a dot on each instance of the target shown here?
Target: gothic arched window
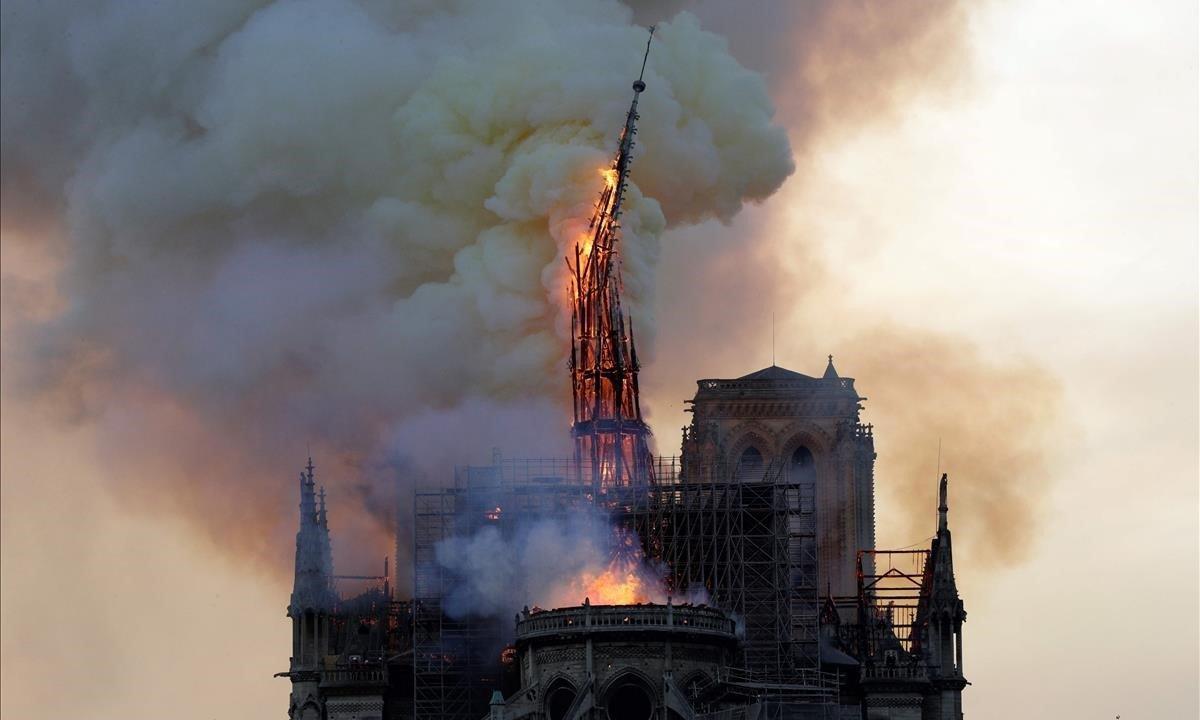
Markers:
(750, 465)
(802, 466)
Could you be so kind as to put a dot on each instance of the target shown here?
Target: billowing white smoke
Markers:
(326, 219)
(552, 562)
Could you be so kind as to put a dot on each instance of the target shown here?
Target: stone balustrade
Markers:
(585, 619)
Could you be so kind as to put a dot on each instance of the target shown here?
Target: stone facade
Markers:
(357, 659)
(780, 421)
(634, 662)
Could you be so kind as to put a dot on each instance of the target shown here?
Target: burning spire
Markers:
(611, 438)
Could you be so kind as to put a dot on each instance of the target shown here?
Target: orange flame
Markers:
(584, 243)
(610, 176)
(615, 585)
(626, 580)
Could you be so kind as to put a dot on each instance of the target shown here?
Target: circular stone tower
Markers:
(626, 662)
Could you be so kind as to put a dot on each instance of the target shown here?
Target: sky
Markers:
(1038, 210)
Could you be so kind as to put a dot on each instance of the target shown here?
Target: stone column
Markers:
(303, 636)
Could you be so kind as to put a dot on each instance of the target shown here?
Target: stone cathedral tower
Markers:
(312, 603)
(780, 421)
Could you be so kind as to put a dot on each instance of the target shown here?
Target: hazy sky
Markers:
(1044, 208)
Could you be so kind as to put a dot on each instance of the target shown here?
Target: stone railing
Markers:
(354, 676)
(843, 384)
(585, 619)
(894, 672)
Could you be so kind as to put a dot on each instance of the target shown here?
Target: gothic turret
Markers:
(944, 616)
(313, 599)
(313, 586)
(830, 370)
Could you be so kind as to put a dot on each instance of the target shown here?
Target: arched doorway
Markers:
(629, 699)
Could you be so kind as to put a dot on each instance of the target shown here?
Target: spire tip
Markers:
(639, 85)
(943, 507)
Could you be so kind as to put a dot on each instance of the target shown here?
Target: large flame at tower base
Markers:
(624, 582)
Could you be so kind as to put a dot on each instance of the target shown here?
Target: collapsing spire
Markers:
(313, 587)
(611, 438)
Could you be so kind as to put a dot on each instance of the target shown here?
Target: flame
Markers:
(610, 176)
(601, 351)
(584, 243)
(621, 583)
(625, 580)
(586, 238)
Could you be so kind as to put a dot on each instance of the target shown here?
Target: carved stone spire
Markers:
(313, 585)
(944, 591)
(943, 614)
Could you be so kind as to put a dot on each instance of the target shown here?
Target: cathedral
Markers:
(776, 602)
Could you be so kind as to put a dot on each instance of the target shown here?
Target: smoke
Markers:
(247, 231)
(843, 70)
(988, 418)
(492, 572)
(835, 66)
(336, 227)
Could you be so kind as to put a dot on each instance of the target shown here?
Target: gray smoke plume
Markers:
(238, 232)
(553, 562)
(326, 225)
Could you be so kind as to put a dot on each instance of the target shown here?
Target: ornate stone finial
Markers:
(830, 371)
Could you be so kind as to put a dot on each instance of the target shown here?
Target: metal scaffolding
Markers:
(892, 585)
(747, 536)
(456, 661)
(749, 540)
